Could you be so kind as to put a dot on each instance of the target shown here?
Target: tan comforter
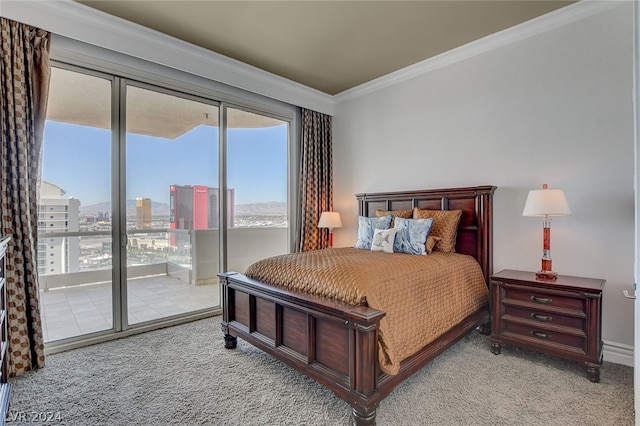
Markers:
(423, 296)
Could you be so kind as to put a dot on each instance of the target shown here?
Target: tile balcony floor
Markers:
(77, 310)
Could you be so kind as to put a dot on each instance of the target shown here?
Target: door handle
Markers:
(626, 293)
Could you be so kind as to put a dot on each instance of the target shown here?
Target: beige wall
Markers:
(554, 108)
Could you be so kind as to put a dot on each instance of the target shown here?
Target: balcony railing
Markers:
(80, 258)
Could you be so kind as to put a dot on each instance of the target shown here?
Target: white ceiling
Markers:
(328, 45)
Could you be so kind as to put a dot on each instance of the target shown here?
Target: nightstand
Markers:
(561, 317)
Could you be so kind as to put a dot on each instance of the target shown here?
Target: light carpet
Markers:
(182, 375)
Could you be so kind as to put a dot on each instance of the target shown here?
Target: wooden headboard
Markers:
(475, 232)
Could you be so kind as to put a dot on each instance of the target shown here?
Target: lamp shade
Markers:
(546, 202)
(330, 220)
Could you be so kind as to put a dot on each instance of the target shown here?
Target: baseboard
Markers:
(618, 353)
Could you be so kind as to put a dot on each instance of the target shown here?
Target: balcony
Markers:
(169, 272)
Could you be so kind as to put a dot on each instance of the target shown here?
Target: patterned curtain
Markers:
(24, 84)
(316, 181)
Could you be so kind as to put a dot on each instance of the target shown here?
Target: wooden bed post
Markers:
(366, 418)
(230, 342)
(364, 374)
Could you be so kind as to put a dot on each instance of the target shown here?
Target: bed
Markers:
(337, 343)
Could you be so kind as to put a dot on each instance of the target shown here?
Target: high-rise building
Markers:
(196, 207)
(57, 255)
(143, 213)
(214, 201)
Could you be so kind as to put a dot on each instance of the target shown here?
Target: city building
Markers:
(57, 214)
(196, 207)
(143, 213)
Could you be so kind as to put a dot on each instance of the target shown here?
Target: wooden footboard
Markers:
(336, 344)
(331, 342)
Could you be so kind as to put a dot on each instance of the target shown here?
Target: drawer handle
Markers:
(541, 317)
(545, 300)
(540, 335)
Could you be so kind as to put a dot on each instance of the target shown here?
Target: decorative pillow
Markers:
(411, 236)
(445, 226)
(383, 240)
(406, 214)
(366, 227)
(431, 242)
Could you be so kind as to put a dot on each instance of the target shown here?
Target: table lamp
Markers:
(546, 203)
(330, 220)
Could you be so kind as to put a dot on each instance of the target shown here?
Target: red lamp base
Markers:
(546, 275)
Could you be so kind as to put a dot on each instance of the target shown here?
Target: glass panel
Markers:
(74, 223)
(171, 199)
(257, 168)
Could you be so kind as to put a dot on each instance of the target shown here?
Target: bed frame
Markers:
(336, 344)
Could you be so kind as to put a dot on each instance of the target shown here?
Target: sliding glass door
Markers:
(74, 219)
(257, 188)
(171, 204)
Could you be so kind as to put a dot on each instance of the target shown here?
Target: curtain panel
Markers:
(24, 84)
(316, 180)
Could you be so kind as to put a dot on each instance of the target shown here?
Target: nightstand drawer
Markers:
(544, 299)
(543, 317)
(543, 337)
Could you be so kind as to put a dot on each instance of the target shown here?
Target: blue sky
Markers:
(78, 159)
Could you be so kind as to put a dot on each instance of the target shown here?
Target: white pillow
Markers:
(383, 240)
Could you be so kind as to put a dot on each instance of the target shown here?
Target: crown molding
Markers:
(558, 18)
(79, 22)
